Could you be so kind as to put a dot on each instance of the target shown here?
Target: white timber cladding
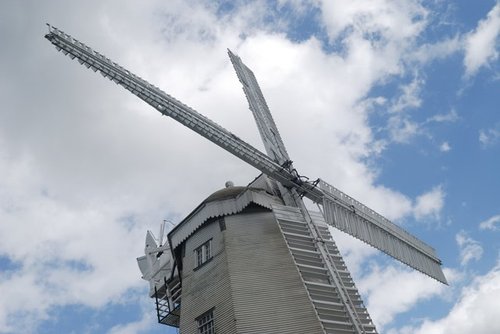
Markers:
(218, 209)
(206, 287)
(267, 291)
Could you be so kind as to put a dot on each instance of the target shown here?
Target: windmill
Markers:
(321, 266)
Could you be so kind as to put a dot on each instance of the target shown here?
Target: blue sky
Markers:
(394, 102)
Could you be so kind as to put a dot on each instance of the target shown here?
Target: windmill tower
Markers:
(255, 259)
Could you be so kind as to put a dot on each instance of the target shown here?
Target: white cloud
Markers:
(142, 325)
(393, 290)
(439, 50)
(391, 21)
(489, 137)
(492, 223)
(470, 249)
(481, 44)
(409, 97)
(401, 127)
(429, 204)
(476, 311)
(452, 116)
(445, 147)
(63, 255)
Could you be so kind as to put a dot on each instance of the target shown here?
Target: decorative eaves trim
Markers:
(217, 209)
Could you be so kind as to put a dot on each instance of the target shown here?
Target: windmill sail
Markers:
(265, 122)
(168, 105)
(268, 130)
(352, 217)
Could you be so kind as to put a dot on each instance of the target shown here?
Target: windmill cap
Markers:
(225, 193)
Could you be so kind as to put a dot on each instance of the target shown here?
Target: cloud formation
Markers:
(429, 204)
(489, 137)
(445, 147)
(470, 249)
(393, 290)
(492, 223)
(475, 312)
(481, 44)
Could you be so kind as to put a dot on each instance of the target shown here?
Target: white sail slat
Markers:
(354, 218)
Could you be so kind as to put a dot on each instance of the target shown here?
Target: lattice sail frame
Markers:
(341, 211)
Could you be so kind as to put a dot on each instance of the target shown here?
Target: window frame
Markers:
(206, 322)
(203, 254)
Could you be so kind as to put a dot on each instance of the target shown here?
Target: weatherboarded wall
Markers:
(207, 287)
(251, 283)
(268, 294)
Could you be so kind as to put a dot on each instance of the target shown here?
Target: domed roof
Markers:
(226, 193)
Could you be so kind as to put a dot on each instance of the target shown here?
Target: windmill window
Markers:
(203, 254)
(206, 323)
